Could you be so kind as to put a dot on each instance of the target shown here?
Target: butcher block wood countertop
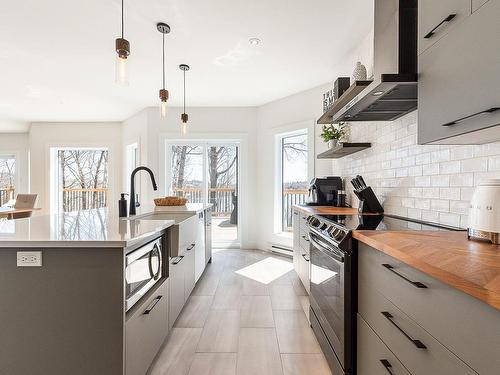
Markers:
(469, 266)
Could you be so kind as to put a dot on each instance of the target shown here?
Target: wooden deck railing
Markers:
(6, 194)
(82, 199)
(291, 197)
(221, 198)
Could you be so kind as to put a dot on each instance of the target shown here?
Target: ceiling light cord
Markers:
(163, 59)
(123, 27)
(184, 91)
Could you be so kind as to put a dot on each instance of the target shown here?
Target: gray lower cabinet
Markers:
(189, 272)
(476, 4)
(145, 330)
(458, 95)
(301, 248)
(431, 330)
(176, 290)
(376, 358)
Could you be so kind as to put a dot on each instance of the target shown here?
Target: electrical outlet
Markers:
(29, 258)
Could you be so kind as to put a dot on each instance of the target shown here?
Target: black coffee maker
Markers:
(324, 191)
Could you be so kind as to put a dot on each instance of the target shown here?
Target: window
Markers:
(7, 178)
(81, 179)
(132, 162)
(294, 174)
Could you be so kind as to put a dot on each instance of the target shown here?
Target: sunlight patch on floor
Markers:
(266, 270)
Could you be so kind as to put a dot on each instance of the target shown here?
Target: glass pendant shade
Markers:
(163, 109)
(183, 128)
(121, 77)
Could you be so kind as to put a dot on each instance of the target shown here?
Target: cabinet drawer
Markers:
(145, 331)
(303, 222)
(304, 241)
(417, 350)
(476, 4)
(448, 314)
(188, 230)
(458, 82)
(374, 358)
(434, 19)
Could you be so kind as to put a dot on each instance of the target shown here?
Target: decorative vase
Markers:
(359, 73)
(333, 143)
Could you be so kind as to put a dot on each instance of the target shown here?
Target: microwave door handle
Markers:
(156, 274)
(325, 250)
(150, 264)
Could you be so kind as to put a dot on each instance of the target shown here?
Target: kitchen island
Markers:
(65, 281)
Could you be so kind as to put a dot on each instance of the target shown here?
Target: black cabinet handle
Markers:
(387, 365)
(178, 260)
(419, 344)
(416, 284)
(305, 238)
(489, 110)
(191, 247)
(305, 257)
(152, 305)
(447, 19)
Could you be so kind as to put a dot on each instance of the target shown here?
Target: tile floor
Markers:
(235, 325)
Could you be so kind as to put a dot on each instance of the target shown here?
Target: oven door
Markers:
(143, 270)
(328, 292)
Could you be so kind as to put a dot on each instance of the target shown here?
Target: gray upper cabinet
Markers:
(437, 18)
(459, 82)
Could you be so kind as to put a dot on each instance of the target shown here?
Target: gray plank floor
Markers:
(247, 315)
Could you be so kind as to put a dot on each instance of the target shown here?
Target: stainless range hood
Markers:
(393, 92)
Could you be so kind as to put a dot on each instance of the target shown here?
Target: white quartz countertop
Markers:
(86, 228)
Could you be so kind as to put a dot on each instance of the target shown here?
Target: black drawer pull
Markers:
(387, 365)
(191, 247)
(416, 284)
(178, 260)
(152, 305)
(419, 344)
(305, 257)
(447, 19)
(489, 110)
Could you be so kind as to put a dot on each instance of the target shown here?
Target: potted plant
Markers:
(333, 134)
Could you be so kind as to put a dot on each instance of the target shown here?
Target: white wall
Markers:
(43, 136)
(18, 145)
(428, 182)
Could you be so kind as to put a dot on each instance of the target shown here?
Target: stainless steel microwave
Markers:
(143, 269)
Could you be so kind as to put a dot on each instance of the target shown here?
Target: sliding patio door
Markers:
(207, 172)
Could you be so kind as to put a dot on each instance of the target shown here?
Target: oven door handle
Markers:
(326, 250)
(155, 274)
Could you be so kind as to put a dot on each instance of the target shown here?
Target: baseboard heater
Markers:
(282, 250)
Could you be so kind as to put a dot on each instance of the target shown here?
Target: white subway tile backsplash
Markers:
(474, 165)
(431, 182)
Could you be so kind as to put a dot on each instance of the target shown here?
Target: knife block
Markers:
(368, 202)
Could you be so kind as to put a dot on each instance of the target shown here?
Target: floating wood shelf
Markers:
(344, 99)
(343, 149)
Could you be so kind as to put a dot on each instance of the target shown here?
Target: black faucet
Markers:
(133, 204)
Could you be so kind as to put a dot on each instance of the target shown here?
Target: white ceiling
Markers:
(57, 56)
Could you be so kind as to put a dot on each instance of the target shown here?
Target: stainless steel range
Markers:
(333, 277)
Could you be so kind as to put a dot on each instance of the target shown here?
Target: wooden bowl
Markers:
(170, 201)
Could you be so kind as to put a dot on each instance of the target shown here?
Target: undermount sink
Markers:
(177, 218)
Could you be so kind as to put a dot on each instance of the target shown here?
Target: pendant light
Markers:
(122, 47)
(184, 115)
(163, 28)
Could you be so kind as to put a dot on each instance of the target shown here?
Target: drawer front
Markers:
(374, 358)
(432, 15)
(146, 330)
(303, 222)
(435, 309)
(304, 241)
(476, 4)
(187, 233)
(417, 350)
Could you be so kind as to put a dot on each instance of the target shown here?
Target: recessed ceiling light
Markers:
(254, 41)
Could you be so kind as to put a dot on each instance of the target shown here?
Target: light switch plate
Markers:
(29, 258)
